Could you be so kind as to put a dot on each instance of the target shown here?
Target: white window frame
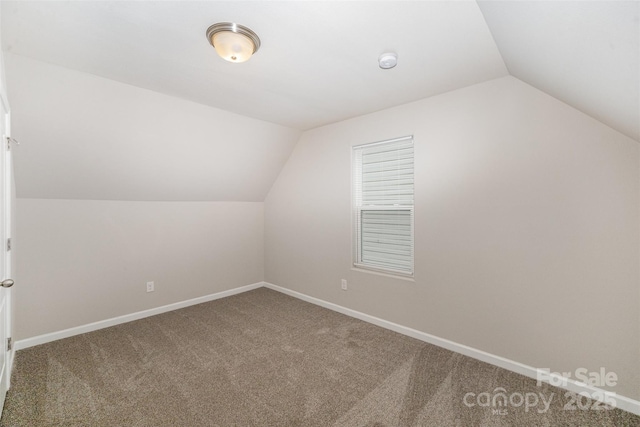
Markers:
(358, 208)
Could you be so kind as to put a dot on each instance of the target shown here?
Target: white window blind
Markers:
(383, 205)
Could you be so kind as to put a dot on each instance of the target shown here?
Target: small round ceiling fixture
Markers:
(233, 42)
(388, 60)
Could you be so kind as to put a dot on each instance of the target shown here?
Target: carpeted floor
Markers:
(265, 359)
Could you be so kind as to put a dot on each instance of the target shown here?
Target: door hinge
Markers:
(9, 343)
(9, 141)
(8, 244)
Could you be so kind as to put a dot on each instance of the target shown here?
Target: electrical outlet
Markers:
(150, 287)
(344, 284)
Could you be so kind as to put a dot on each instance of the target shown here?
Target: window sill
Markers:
(401, 276)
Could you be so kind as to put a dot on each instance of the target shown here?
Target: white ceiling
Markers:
(317, 63)
(584, 53)
(86, 137)
(318, 60)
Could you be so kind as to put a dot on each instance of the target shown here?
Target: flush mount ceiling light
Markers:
(388, 60)
(233, 42)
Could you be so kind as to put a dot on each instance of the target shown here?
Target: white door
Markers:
(6, 185)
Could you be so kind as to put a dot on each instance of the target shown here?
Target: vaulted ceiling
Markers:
(318, 60)
(584, 53)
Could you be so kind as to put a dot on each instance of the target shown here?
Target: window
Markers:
(383, 206)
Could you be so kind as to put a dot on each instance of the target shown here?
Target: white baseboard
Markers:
(622, 402)
(53, 336)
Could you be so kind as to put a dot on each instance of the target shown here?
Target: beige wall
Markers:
(526, 229)
(85, 261)
(181, 184)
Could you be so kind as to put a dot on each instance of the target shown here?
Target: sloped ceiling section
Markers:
(86, 137)
(585, 53)
(318, 62)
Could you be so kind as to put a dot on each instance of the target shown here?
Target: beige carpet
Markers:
(265, 359)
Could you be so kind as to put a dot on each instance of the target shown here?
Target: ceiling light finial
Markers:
(233, 42)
